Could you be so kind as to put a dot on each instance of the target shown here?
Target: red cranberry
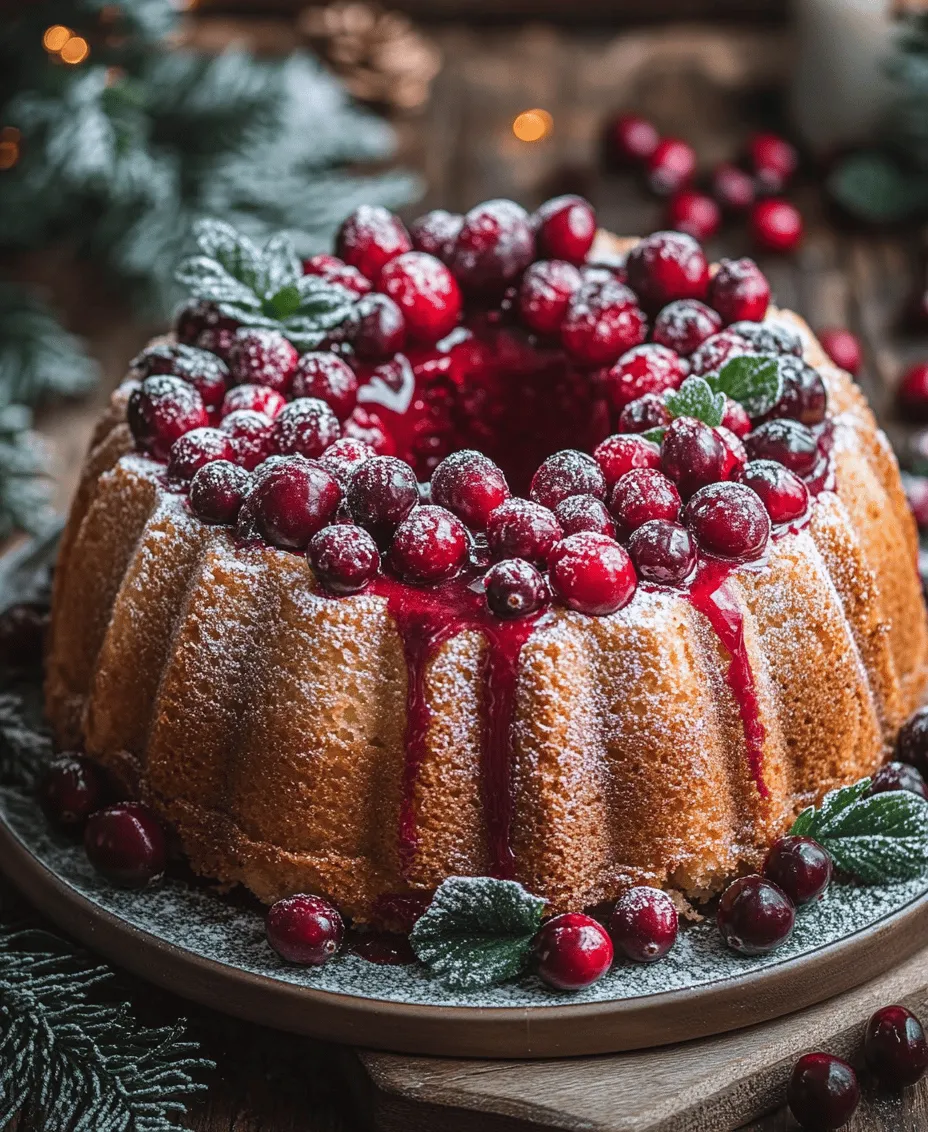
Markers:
(217, 340)
(381, 330)
(333, 270)
(692, 455)
(344, 558)
(800, 866)
(161, 410)
(671, 166)
(342, 457)
(514, 588)
(568, 472)
(572, 951)
(369, 238)
(769, 337)
(602, 322)
(732, 188)
(545, 293)
(684, 325)
(436, 232)
(776, 225)
(252, 436)
(895, 1048)
(912, 741)
(735, 419)
(494, 246)
(717, 350)
(289, 502)
(694, 213)
(912, 393)
(584, 513)
(618, 454)
(366, 426)
(645, 369)
(429, 545)
(327, 377)
(470, 485)
(201, 369)
(774, 161)
(196, 448)
(640, 495)
(843, 348)
(126, 844)
(199, 315)
(217, 491)
(591, 573)
(644, 413)
(755, 916)
(520, 528)
(739, 291)
(735, 455)
(899, 776)
(822, 1092)
(728, 519)
(257, 398)
(782, 493)
(305, 930)
(804, 397)
(786, 441)
(565, 228)
(663, 552)
(263, 357)
(644, 924)
(71, 789)
(306, 427)
(382, 492)
(666, 266)
(426, 292)
(631, 140)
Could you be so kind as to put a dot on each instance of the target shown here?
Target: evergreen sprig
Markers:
(25, 746)
(24, 487)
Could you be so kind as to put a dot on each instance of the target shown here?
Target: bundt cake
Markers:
(520, 554)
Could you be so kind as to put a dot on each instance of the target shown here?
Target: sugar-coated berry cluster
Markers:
(289, 450)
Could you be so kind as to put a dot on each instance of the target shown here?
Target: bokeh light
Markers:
(533, 125)
(75, 50)
(9, 147)
(55, 38)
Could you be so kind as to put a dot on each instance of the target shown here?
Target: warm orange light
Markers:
(533, 125)
(75, 50)
(55, 38)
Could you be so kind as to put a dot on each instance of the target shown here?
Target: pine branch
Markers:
(25, 746)
(24, 489)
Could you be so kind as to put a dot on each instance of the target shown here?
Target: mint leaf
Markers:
(285, 302)
(219, 241)
(206, 278)
(656, 435)
(280, 265)
(477, 931)
(696, 398)
(753, 380)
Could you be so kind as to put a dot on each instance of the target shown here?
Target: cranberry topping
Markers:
(252, 436)
(436, 232)
(786, 441)
(728, 519)
(640, 495)
(631, 139)
(755, 916)
(692, 455)
(70, 790)
(126, 844)
(732, 188)
(545, 293)
(520, 528)
(369, 238)
(782, 493)
(899, 776)
(199, 315)
(201, 369)
(667, 266)
(257, 398)
(426, 292)
(381, 494)
(684, 325)
(572, 951)
(804, 397)
(774, 161)
(584, 513)
(671, 166)
(290, 500)
(739, 291)
(776, 225)
(381, 330)
(262, 357)
(591, 573)
(494, 246)
(429, 545)
(196, 448)
(470, 485)
(822, 1092)
(602, 322)
(618, 454)
(800, 866)
(644, 369)
(565, 228)
(663, 552)
(305, 930)
(334, 270)
(735, 455)
(306, 427)
(736, 419)
(161, 410)
(769, 338)
(895, 1048)
(717, 350)
(514, 588)
(843, 348)
(328, 378)
(217, 491)
(694, 213)
(568, 472)
(218, 341)
(644, 924)
(367, 427)
(912, 393)
(912, 741)
(344, 558)
(644, 413)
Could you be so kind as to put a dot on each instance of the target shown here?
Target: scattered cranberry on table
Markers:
(843, 348)
(776, 225)
(755, 916)
(895, 1048)
(631, 140)
(70, 790)
(733, 188)
(774, 161)
(694, 213)
(572, 951)
(644, 924)
(912, 393)
(822, 1092)
(800, 867)
(305, 930)
(671, 166)
(126, 844)
(899, 776)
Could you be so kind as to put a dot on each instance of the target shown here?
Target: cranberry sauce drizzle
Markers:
(388, 949)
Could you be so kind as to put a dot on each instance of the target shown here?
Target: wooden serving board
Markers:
(711, 1085)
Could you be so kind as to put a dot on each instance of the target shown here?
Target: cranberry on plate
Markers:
(822, 1092)
(895, 1048)
(344, 558)
(644, 924)
(70, 790)
(800, 866)
(755, 916)
(591, 573)
(572, 951)
(305, 930)
(514, 588)
(126, 844)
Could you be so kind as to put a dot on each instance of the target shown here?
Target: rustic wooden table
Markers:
(707, 84)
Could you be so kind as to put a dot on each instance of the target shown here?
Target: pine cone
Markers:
(380, 56)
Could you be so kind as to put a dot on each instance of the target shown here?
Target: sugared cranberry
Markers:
(326, 376)
(263, 357)
(667, 266)
(602, 322)
(289, 502)
(381, 330)
(382, 492)
(495, 244)
(520, 528)
(369, 238)
(470, 485)
(545, 293)
(203, 370)
(333, 270)
(671, 166)
(693, 213)
(258, 398)
(344, 558)
(567, 472)
(774, 161)
(786, 441)
(631, 139)
(618, 454)
(426, 292)
(717, 350)
(782, 493)
(436, 232)
(663, 552)
(591, 573)
(776, 225)
(305, 930)
(800, 866)
(683, 326)
(252, 436)
(196, 448)
(342, 457)
(640, 495)
(755, 916)
(70, 790)
(739, 291)
(822, 1092)
(217, 491)
(643, 414)
(895, 1048)
(514, 588)
(367, 426)
(912, 393)
(899, 776)
(736, 419)
(645, 369)
(728, 519)
(161, 410)
(584, 513)
(565, 228)
(199, 315)
(912, 741)
(306, 427)
(572, 951)
(732, 188)
(735, 454)
(217, 340)
(692, 455)
(429, 545)
(23, 627)
(804, 397)
(126, 844)
(843, 348)
(769, 337)
(644, 924)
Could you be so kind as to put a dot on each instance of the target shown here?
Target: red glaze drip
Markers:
(389, 949)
